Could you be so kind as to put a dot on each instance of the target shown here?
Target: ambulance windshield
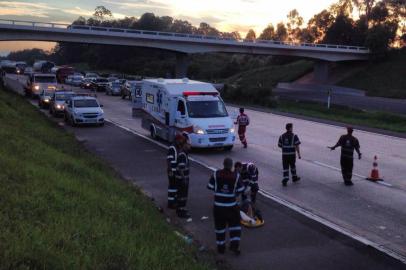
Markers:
(206, 109)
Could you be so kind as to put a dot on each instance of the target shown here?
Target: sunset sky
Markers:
(225, 15)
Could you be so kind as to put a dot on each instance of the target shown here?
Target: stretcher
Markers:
(249, 222)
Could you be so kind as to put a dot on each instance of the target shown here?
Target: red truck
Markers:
(63, 72)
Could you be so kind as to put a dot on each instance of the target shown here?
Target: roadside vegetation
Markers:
(378, 120)
(62, 208)
(255, 86)
(385, 78)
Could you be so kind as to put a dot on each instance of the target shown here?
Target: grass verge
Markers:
(386, 78)
(379, 120)
(62, 208)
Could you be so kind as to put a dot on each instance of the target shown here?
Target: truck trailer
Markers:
(170, 106)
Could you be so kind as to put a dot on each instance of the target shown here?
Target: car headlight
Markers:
(36, 87)
(46, 100)
(232, 130)
(198, 130)
(59, 106)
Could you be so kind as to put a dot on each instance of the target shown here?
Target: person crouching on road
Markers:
(347, 143)
(182, 179)
(242, 121)
(227, 186)
(172, 162)
(289, 143)
(249, 177)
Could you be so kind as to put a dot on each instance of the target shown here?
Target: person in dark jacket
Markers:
(227, 186)
(172, 162)
(348, 144)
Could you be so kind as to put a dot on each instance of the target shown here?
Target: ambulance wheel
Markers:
(228, 148)
(153, 132)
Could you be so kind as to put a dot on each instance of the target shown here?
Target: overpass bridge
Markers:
(181, 44)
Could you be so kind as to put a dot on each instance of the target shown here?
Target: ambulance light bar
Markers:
(190, 93)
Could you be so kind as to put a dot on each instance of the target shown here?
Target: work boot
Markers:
(221, 249)
(284, 183)
(245, 145)
(171, 205)
(182, 213)
(235, 250)
(348, 183)
(295, 179)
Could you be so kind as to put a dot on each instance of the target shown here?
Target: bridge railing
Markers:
(177, 35)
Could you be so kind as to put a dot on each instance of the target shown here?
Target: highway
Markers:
(366, 211)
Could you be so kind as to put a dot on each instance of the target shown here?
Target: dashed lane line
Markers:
(355, 174)
(290, 205)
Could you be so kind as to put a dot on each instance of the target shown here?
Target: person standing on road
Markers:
(347, 143)
(172, 162)
(289, 142)
(242, 121)
(182, 179)
(226, 185)
(249, 177)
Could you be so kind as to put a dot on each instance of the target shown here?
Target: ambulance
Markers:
(170, 106)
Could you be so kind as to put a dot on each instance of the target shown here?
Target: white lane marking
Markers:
(355, 174)
(334, 226)
(290, 205)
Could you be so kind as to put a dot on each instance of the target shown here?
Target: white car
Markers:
(76, 80)
(81, 110)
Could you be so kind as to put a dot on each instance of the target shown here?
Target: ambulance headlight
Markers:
(232, 130)
(36, 87)
(198, 130)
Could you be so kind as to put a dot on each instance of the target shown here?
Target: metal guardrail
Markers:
(177, 35)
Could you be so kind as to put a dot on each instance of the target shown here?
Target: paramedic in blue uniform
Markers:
(227, 186)
(289, 142)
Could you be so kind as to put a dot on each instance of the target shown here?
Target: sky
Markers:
(225, 15)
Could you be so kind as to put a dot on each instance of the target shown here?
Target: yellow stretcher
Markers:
(249, 222)
(258, 223)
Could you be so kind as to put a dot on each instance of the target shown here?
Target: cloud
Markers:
(13, 8)
(89, 13)
(226, 15)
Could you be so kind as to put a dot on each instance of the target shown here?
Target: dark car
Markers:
(86, 83)
(99, 84)
(57, 102)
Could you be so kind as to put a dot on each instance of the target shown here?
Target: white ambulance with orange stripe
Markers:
(192, 107)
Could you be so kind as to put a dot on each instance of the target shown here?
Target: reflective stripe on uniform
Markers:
(236, 228)
(225, 204)
(235, 239)
(172, 190)
(224, 194)
(220, 231)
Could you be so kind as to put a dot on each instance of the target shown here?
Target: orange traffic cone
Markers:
(375, 172)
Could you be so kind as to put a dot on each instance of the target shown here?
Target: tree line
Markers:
(375, 24)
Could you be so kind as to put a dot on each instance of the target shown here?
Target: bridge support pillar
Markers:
(321, 71)
(182, 64)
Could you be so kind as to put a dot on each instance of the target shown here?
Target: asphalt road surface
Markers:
(366, 210)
